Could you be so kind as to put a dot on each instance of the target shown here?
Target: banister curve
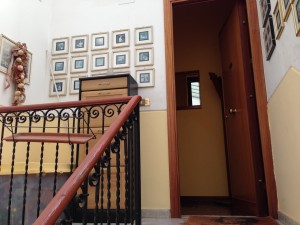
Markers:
(60, 201)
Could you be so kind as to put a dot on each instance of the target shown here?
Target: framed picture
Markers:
(296, 15)
(278, 20)
(265, 8)
(6, 46)
(120, 38)
(99, 41)
(79, 64)
(143, 35)
(99, 61)
(60, 46)
(120, 59)
(79, 43)
(28, 68)
(59, 66)
(74, 85)
(145, 78)
(144, 56)
(58, 87)
(269, 38)
(286, 6)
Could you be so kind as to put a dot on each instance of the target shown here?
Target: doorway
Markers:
(170, 11)
(200, 130)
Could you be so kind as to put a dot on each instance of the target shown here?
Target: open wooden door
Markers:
(243, 144)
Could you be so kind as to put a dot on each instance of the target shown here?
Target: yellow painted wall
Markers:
(35, 152)
(284, 115)
(154, 160)
(200, 131)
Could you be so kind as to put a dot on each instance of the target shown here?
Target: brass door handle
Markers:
(232, 111)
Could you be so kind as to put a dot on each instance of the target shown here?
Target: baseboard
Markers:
(155, 213)
(286, 220)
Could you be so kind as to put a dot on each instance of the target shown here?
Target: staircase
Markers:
(56, 169)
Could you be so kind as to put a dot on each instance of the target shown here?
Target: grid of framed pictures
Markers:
(274, 29)
(144, 56)
(103, 53)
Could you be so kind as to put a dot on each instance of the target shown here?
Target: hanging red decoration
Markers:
(18, 71)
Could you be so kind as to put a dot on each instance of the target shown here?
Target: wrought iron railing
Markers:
(72, 162)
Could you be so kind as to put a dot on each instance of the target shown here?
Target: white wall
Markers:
(80, 17)
(46, 19)
(282, 83)
(286, 53)
(27, 21)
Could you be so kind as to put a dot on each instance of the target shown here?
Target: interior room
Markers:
(204, 185)
(183, 150)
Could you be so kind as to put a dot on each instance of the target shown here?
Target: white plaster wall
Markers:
(80, 17)
(285, 55)
(27, 21)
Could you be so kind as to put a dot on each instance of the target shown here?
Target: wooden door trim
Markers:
(261, 100)
(262, 110)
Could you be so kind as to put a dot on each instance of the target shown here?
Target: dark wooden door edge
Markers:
(261, 101)
(261, 108)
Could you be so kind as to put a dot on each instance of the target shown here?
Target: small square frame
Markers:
(59, 66)
(6, 46)
(75, 85)
(61, 85)
(296, 15)
(278, 19)
(80, 43)
(99, 41)
(265, 8)
(120, 38)
(286, 6)
(145, 78)
(269, 38)
(144, 56)
(143, 35)
(60, 46)
(120, 59)
(79, 64)
(99, 61)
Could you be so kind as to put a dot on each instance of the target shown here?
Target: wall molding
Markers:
(286, 220)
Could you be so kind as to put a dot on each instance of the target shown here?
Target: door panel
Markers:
(242, 146)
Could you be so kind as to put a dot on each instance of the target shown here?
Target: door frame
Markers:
(261, 101)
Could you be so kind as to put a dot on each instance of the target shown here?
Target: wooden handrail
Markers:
(61, 200)
(69, 104)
